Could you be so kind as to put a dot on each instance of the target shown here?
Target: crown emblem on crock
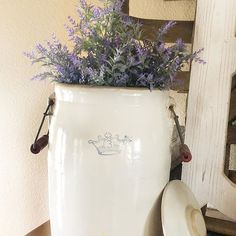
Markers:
(109, 144)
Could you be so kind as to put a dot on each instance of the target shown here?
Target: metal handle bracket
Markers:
(40, 143)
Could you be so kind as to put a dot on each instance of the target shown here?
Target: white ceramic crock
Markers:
(109, 161)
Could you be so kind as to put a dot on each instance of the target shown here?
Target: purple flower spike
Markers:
(164, 29)
(83, 3)
(107, 47)
(30, 55)
(118, 5)
(199, 60)
(96, 12)
(180, 43)
(70, 31)
(40, 48)
(72, 21)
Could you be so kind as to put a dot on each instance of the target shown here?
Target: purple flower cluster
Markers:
(109, 50)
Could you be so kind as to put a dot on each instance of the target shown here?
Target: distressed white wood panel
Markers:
(209, 103)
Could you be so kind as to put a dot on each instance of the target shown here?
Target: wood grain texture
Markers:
(232, 175)
(232, 110)
(234, 82)
(208, 105)
(232, 160)
(183, 29)
(182, 82)
(231, 138)
(125, 7)
(219, 223)
(222, 227)
(213, 213)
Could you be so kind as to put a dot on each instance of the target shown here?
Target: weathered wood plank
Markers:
(232, 110)
(182, 82)
(183, 29)
(150, 28)
(231, 138)
(227, 159)
(219, 223)
(208, 104)
(125, 7)
(222, 227)
(214, 213)
(232, 175)
(234, 82)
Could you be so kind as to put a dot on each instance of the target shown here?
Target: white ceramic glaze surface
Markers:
(109, 161)
(180, 212)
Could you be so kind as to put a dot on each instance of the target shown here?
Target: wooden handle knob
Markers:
(39, 145)
(185, 153)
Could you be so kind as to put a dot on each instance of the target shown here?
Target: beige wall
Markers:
(166, 10)
(23, 177)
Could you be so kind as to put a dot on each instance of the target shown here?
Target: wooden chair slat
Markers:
(232, 112)
(231, 139)
(182, 82)
(183, 30)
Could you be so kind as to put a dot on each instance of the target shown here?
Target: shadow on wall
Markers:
(43, 230)
(153, 223)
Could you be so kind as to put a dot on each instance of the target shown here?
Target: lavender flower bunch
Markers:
(108, 50)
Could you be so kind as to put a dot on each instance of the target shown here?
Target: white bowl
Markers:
(181, 213)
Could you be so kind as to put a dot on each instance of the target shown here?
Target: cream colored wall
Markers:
(23, 177)
(166, 10)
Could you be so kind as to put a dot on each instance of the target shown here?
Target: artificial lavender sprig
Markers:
(108, 50)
